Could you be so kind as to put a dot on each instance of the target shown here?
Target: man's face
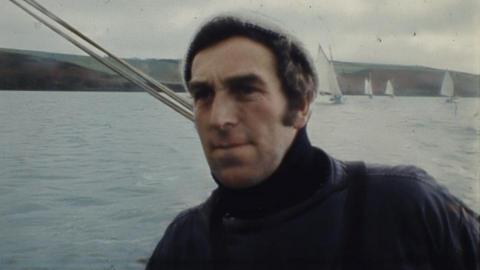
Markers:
(239, 106)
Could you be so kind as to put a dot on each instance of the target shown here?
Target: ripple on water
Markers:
(131, 191)
(26, 208)
(5, 191)
(82, 201)
(126, 214)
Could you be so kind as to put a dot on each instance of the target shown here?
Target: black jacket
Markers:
(355, 217)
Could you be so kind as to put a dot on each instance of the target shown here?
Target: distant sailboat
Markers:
(368, 88)
(447, 87)
(327, 78)
(389, 89)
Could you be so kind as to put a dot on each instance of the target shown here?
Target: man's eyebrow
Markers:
(243, 79)
(197, 84)
(236, 80)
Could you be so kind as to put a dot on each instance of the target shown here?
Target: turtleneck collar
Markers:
(295, 180)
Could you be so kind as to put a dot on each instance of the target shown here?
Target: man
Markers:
(282, 203)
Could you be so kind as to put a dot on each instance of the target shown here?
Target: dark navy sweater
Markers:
(316, 212)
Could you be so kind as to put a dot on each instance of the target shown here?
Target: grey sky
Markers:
(436, 33)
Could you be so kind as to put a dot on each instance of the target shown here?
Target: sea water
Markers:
(91, 180)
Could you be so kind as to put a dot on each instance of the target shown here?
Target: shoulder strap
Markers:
(354, 211)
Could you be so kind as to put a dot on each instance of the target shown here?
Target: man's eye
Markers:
(248, 89)
(201, 94)
(245, 90)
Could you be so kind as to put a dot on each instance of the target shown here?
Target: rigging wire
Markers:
(52, 16)
(119, 66)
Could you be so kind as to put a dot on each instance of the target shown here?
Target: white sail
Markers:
(323, 66)
(334, 87)
(327, 78)
(447, 86)
(368, 88)
(389, 89)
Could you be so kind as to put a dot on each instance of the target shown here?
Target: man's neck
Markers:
(295, 180)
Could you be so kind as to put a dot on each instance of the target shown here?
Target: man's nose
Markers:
(223, 112)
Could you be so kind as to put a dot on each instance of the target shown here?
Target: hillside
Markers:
(407, 80)
(34, 70)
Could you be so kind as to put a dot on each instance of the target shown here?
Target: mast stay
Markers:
(119, 66)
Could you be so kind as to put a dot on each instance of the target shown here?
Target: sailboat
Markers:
(327, 78)
(389, 89)
(368, 88)
(447, 88)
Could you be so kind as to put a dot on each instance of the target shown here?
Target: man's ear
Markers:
(302, 115)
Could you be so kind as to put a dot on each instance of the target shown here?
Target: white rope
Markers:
(119, 66)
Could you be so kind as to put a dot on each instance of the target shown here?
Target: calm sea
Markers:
(91, 180)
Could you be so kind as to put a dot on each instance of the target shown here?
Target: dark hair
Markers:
(294, 66)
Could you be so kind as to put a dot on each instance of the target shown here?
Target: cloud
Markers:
(385, 31)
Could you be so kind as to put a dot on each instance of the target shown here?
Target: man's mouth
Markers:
(228, 145)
